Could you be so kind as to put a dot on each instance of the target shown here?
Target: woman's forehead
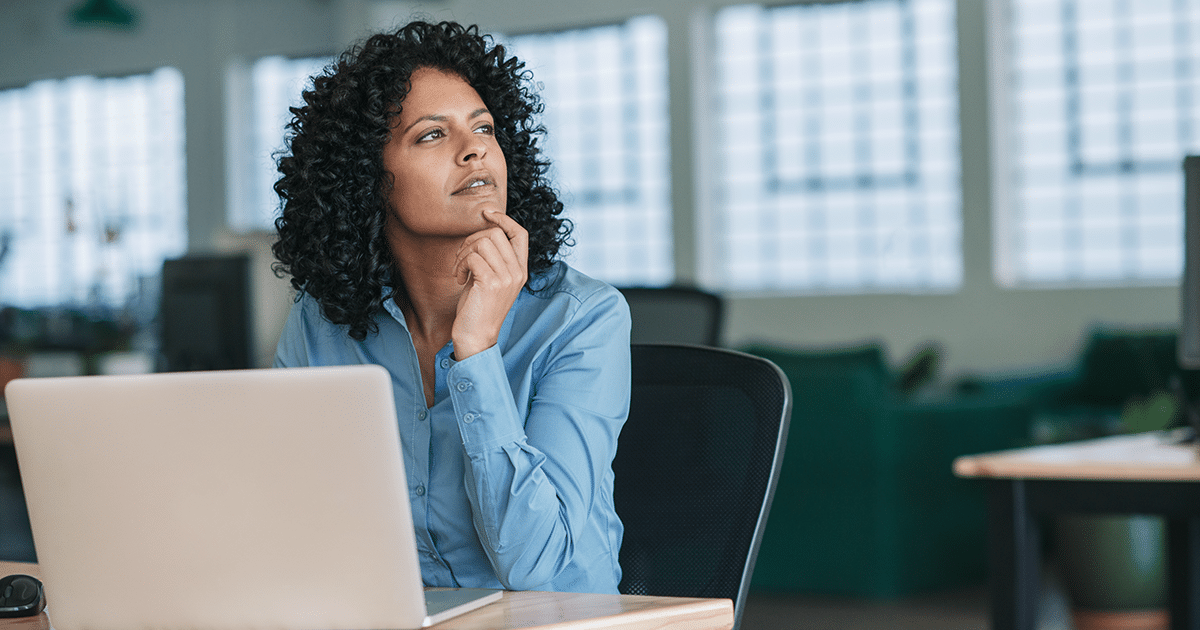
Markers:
(435, 92)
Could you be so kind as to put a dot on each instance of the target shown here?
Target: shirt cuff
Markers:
(483, 402)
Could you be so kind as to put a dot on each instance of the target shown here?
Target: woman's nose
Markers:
(473, 148)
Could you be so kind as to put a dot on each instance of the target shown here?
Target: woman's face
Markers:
(444, 160)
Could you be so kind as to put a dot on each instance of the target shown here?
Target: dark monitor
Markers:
(204, 314)
(1189, 325)
(1189, 295)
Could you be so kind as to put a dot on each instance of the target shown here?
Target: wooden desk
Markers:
(1149, 473)
(529, 609)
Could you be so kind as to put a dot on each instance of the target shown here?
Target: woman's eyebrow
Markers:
(443, 118)
(433, 117)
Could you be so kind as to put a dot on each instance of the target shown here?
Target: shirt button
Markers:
(422, 414)
(469, 418)
(464, 386)
(420, 491)
(445, 363)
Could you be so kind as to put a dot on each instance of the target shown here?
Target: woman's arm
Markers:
(539, 471)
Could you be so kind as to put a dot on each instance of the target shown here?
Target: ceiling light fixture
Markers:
(102, 13)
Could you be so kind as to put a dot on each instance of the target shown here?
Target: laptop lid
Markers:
(235, 499)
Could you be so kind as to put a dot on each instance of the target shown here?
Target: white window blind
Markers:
(838, 150)
(92, 188)
(605, 94)
(1105, 102)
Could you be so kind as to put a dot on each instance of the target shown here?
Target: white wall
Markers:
(982, 327)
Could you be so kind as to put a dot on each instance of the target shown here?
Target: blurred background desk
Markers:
(529, 609)
(1148, 473)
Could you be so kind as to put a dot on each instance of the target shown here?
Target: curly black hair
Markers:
(334, 189)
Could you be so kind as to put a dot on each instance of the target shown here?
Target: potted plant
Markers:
(1113, 567)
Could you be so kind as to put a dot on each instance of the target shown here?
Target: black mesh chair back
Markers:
(696, 467)
(674, 315)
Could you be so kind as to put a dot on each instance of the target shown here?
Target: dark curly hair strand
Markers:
(334, 190)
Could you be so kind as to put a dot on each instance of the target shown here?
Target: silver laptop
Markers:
(219, 500)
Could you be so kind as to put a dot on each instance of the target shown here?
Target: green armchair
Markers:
(867, 504)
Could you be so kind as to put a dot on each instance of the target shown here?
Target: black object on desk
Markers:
(21, 596)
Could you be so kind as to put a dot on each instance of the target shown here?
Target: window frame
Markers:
(1006, 271)
(708, 169)
(668, 274)
(89, 212)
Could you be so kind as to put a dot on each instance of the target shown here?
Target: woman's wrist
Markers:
(466, 348)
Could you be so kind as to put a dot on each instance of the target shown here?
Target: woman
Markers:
(421, 235)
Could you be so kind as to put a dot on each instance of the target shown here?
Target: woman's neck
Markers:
(429, 292)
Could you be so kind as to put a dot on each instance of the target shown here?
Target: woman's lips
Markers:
(476, 184)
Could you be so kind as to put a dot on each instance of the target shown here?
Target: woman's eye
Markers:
(486, 129)
(432, 134)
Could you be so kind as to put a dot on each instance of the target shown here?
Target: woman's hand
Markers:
(492, 263)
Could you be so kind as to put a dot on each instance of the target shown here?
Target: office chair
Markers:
(674, 314)
(695, 469)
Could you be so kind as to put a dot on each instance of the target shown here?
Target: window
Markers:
(1104, 105)
(605, 94)
(837, 141)
(92, 188)
(274, 84)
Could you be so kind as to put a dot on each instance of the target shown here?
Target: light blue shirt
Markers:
(510, 472)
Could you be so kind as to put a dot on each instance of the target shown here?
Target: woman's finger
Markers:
(517, 235)
(488, 262)
(509, 251)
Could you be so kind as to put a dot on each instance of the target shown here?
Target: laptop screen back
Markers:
(238, 499)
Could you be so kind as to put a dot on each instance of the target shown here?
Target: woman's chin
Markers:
(491, 206)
